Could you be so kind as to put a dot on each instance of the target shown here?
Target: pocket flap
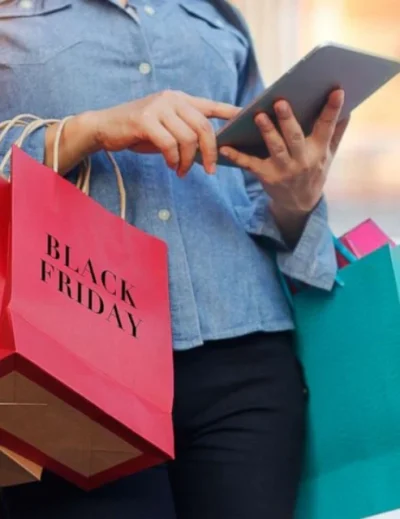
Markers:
(207, 14)
(27, 8)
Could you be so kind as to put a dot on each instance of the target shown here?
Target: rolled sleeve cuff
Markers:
(313, 260)
(258, 221)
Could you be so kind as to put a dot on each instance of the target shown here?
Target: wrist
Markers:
(291, 223)
(281, 212)
(78, 140)
(85, 127)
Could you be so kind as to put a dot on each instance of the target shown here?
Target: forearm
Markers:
(78, 140)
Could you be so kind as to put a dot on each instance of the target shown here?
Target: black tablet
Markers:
(306, 87)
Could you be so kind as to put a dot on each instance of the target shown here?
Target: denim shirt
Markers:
(60, 57)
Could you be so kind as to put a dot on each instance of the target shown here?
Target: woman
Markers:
(144, 79)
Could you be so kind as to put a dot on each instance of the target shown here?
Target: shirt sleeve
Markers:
(34, 145)
(313, 260)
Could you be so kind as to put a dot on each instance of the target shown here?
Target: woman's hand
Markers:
(172, 123)
(295, 173)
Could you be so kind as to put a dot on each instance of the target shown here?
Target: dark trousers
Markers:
(239, 418)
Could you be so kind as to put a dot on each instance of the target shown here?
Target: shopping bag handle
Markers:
(343, 250)
(5, 127)
(87, 175)
(84, 180)
(120, 183)
(19, 120)
(33, 123)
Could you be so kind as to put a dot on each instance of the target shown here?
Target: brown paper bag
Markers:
(17, 470)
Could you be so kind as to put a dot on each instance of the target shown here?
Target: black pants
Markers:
(239, 419)
(239, 416)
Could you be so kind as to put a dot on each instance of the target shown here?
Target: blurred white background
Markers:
(365, 179)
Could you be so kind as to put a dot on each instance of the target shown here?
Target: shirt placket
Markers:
(160, 209)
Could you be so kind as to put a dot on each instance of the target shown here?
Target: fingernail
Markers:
(260, 118)
(224, 152)
(282, 109)
(264, 122)
(212, 169)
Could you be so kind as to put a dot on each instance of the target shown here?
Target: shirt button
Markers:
(26, 4)
(149, 10)
(164, 215)
(145, 68)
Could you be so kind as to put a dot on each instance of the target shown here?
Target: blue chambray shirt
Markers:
(60, 57)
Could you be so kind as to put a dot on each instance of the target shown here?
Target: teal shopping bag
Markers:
(349, 343)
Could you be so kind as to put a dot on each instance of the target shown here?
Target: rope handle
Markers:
(19, 120)
(120, 182)
(6, 126)
(33, 123)
(85, 185)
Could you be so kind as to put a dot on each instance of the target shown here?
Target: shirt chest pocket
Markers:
(223, 39)
(31, 31)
